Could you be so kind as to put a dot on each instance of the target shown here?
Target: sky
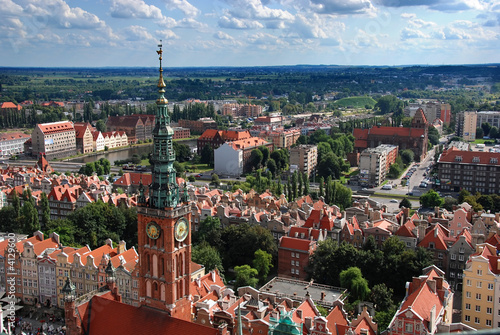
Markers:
(103, 33)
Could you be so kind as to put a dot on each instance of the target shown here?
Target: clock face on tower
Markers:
(181, 229)
(153, 230)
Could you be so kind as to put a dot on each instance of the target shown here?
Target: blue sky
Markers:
(87, 33)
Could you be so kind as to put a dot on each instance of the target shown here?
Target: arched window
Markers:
(148, 288)
(155, 265)
(162, 266)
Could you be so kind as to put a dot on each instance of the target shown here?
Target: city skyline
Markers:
(63, 33)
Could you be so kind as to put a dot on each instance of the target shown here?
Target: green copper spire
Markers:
(163, 191)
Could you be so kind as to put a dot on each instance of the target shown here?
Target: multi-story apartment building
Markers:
(12, 143)
(305, 157)
(471, 170)
(98, 141)
(466, 125)
(56, 139)
(84, 139)
(294, 254)
(180, 132)
(247, 110)
(285, 138)
(480, 297)
(490, 117)
(374, 163)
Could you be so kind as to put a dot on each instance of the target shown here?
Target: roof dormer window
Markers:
(494, 160)
(475, 159)
(458, 158)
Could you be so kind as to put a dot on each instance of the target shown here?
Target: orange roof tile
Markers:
(56, 127)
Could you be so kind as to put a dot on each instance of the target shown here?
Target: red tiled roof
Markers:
(406, 230)
(56, 127)
(437, 236)
(296, 243)
(453, 155)
(248, 143)
(134, 178)
(105, 316)
(10, 105)
(13, 136)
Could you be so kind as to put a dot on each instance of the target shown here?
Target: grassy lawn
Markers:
(196, 168)
(356, 102)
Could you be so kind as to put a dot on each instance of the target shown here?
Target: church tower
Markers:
(164, 224)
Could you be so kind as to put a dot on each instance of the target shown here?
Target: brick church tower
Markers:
(164, 224)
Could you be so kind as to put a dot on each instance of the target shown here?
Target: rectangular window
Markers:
(478, 296)
(488, 323)
(478, 308)
(469, 283)
(409, 327)
(467, 306)
(490, 298)
(467, 318)
(489, 310)
(490, 286)
(477, 320)
(479, 284)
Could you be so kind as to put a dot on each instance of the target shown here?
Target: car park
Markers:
(423, 185)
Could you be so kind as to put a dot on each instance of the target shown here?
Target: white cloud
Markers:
(58, 13)
(234, 23)
(222, 36)
(449, 33)
(408, 33)
(184, 6)
(307, 27)
(266, 41)
(341, 6)
(136, 33)
(166, 35)
(134, 9)
(408, 15)
(255, 9)
(9, 8)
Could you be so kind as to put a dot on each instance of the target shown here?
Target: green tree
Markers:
(44, 207)
(381, 296)
(431, 199)
(263, 263)
(479, 132)
(407, 156)
(255, 159)
(405, 203)
(245, 276)
(29, 218)
(101, 126)
(209, 230)
(265, 154)
(16, 203)
(8, 220)
(494, 133)
(389, 104)
(208, 256)
(486, 128)
(433, 136)
(271, 165)
(353, 280)
(207, 155)
(66, 231)
(215, 179)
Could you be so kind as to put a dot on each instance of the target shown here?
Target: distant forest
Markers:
(299, 83)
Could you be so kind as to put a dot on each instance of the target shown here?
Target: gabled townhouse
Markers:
(98, 143)
(381, 230)
(427, 307)
(408, 234)
(436, 240)
(62, 200)
(127, 279)
(479, 231)
(84, 139)
(29, 266)
(459, 253)
(458, 222)
(10, 265)
(64, 261)
(352, 233)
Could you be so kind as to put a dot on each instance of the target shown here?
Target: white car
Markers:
(393, 201)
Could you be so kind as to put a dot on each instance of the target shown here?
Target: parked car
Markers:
(393, 201)
(199, 175)
(387, 187)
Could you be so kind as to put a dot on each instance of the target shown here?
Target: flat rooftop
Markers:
(298, 290)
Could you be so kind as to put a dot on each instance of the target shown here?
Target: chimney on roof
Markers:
(323, 295)
(299, 313)
(308, 322)
(436, 230)
(432, 285)
(122, 247)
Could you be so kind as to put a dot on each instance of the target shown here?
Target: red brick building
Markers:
(216, 138)
(414, 138)
(295, 250)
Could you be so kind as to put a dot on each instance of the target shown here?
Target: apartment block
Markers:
(490, 117)
(466, 125)
(374, 163)
(471, 170)
(305, 157)
(247, 110)
(12, 143)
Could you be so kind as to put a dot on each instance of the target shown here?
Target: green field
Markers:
(356, 102)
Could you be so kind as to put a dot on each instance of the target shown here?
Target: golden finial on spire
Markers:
(161, 83)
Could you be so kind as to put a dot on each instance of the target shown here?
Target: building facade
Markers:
(12, 143)
(305, 157)
(84, 138)
(54, 140)
(374, 163)
(471, 170)
(466, 125)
